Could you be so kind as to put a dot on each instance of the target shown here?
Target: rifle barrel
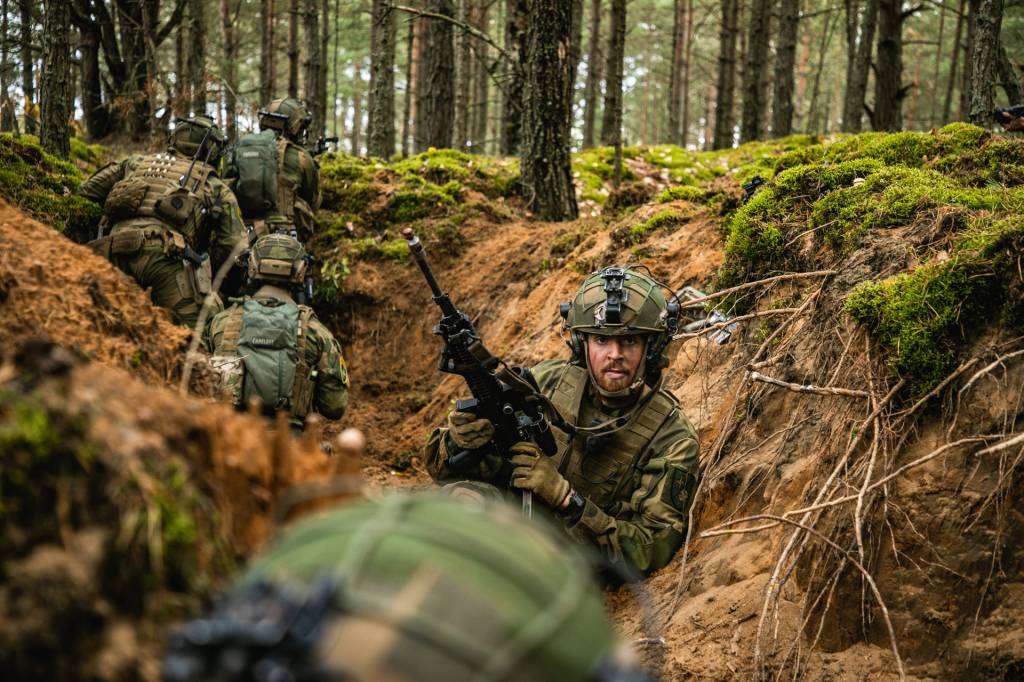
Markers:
(420, 255)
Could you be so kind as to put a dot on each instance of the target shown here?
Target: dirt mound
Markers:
(52, 288)
(124, 506)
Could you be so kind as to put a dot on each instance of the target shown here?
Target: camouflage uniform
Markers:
(411, 588)
(298, 174)
(636, 482)
(321, 376)
(147, 243)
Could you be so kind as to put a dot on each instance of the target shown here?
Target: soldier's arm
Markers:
(330, 397)
(650, 530)
(437, 452)
(99, 184)
(227, 228)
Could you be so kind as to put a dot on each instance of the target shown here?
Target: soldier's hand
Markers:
(468, 431)
(536, 472)
(1015, 125)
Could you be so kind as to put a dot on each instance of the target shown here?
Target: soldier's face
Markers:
(614, 360)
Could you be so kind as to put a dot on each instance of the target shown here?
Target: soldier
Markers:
(625, 478)
(163, 212)
(269, 348)
(276, 180)
(410, 588)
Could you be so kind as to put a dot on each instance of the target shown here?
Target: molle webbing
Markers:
(232, 328)
(285, 185)
(162, 174)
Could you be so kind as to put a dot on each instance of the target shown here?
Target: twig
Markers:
(749, 285)
(807, 388)
(986, 369)
(849, 557)
(466, 28)
(734, 320)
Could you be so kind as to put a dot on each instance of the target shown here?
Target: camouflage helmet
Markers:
(409, 588)
(617, 301)
(277, 258)
(288, 116)
(198, 137)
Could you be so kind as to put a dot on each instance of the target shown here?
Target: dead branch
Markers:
(734, 320)
(849, 557)
(938, 389)
(807, 388)
(466, 28)
(986, 369)
(760, 282)
(1016, 439)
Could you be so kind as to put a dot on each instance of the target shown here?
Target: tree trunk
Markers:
(181, 93)
(947, 105)
(94, 114)
(516, 22)
(229, 16)
(7, 118)
(675, 77)
(27, 76)
(575, 54)
(268, 23)
(325, 36)
(380, 139)
(481, 88)
(312, 64)
(594, 75)
(56, 87)
(814, 125)
(934, 119)
(357, 109)
(726, 88)
(986, 54)
(463, 79)
(1007, 77)
(293, 48)
(611, 120)
(410, 84)
(889, 90)
(754, 105)
(785, 64)
(858, 61)
(684, 131)
(334, 101)
(435, 91)
(197, 55)
(966, 82)
(546, 177)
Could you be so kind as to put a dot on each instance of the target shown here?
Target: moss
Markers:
(595, 166)
(88, 154)
(371, 249)
(45, 186)
(420, 199)
(682, 193)
(437, 165)
(661, 220)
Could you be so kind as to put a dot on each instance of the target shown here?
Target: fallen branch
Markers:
(734, 320)
(986, 369)
(750, 285)
(807, 388)
(843, 552)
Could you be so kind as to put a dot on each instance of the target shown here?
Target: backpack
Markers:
(254, 163)
(262, 357)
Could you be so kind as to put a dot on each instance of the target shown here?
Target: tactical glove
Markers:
(536, 472)
(467, 431)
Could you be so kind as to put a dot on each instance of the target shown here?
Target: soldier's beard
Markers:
(614, 377)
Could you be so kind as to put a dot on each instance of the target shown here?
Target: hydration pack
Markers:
(254, 162)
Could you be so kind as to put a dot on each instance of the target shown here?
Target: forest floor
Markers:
(905, 325)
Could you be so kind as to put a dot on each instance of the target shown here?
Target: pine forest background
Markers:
(699, 73)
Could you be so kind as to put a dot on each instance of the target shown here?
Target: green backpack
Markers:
(254, 163)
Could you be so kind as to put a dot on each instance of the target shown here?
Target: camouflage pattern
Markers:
(432, 588)
(321, 354)
(298, 117)
(643, 307)
(638, 482)
(147, 246)
(277, 258)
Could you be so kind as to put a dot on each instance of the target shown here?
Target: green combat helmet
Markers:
(288, 116)
(278, 258)
(199, 138)
(617, 301)
(407, 589)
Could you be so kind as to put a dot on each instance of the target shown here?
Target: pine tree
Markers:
(55, 108)
(594, 75)
(380, 139)
(726, 88)
(435, 91)
(785, 63)
(986, 55)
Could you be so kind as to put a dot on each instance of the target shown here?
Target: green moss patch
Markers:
(682, 193)
(44, 186)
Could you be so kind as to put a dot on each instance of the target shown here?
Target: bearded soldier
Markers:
(276, 180)
(411, 588)
(624, 475)
(168, 220)
(268, 348)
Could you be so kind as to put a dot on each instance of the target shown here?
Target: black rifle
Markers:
(1004, 115)
(507, 396)
(321, 145)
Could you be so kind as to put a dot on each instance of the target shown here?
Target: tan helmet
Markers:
(288, 116)
(617, 301)
(198, 137)
(278, 258)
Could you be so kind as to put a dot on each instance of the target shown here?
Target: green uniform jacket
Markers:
(323, 353)
(301, 173)
(638, 482)
(217, 233)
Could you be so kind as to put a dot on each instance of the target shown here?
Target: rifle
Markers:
(1005, 115)
(321, 145)
(716, 316)
(507, 396)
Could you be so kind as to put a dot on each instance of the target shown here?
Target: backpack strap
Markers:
(232, 329)
(285, 187)
(305, 383)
